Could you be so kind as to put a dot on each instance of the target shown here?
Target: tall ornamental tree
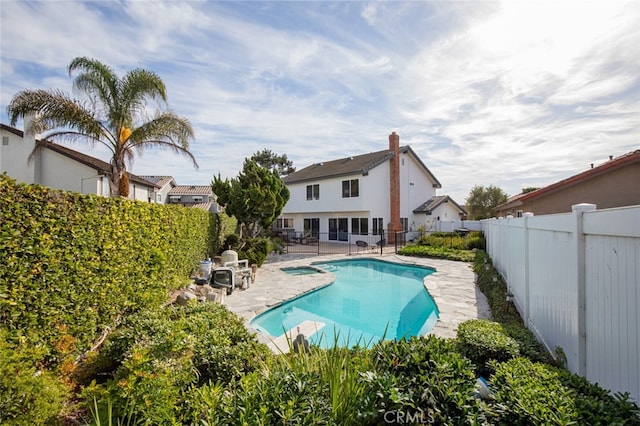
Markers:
(481, 201)
(279, 163)
(256, 197)
(115, 115)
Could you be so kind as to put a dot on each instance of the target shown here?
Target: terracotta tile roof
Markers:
(203, 206)
(160, 181)
(191, 190)
(359, 164)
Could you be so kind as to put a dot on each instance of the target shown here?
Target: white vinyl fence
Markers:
(452, 225)
(575, 279)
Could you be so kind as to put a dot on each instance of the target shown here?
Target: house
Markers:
(614, 183)
(59, 167)
(363, 195)
(440, 208)
(164, 184)
(198, 196)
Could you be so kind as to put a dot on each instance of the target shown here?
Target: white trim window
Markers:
(313, 192)
(284, 223)
(350, 188)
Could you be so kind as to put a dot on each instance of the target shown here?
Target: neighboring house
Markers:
(198, 196)
(164, 184)
(362, 195)
(615, 183)
(439, 207)
(59, 167)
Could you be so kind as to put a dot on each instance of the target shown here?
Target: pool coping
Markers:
(452, 286)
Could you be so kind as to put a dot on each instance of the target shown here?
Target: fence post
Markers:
(579, 249)
(527, 273)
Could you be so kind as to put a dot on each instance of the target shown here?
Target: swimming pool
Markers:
(368, 301)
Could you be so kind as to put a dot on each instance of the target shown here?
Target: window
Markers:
(284, 223)
(378, 226)
(405, 223)
(338, 229)
(360, 225)
(5, 140)
(198, 198)
(313, 192)
(173, 199)
(350, 188)
(312, 227)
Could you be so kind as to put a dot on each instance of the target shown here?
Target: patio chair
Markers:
(362, 245)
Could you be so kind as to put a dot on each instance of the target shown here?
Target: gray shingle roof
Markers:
(433, 202)
(359, 164)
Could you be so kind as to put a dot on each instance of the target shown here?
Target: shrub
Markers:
(158, 355)
(437, 252)
(423, 377)
(502, 310)
(483, 341)
(529, 393)
(256, 250)
(28, 396)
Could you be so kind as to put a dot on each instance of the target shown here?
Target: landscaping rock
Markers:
(184, 298)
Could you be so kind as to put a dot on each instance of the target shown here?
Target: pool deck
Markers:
(452, 287)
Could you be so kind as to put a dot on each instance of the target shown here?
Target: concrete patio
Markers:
(452, 287)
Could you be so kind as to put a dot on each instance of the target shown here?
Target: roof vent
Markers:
(592, 165)
(610, 157)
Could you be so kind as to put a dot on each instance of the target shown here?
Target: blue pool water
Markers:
(369, 300)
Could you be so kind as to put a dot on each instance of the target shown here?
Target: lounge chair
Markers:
(362, 245)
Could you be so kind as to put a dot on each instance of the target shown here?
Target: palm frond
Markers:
(53, 109)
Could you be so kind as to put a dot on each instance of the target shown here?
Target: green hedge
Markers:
(531, 393)
(72, 264)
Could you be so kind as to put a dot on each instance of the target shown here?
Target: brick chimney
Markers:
(394, 188)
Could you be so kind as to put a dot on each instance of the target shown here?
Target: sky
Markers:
(514, 94)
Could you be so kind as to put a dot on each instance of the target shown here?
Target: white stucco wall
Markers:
(13, 157)
(61, 172)
(415, 189)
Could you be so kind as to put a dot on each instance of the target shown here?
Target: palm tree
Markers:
(114, 116)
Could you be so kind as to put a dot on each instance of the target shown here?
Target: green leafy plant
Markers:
(158, 356)
(29, 395)
(483, 341)
(437, 252)
(423, 375)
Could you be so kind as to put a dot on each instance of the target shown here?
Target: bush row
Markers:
(73, 263)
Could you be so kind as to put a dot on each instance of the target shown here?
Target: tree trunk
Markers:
(119, 179)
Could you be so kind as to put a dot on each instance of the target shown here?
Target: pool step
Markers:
(281, 343)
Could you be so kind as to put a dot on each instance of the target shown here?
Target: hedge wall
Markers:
(72, 264)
